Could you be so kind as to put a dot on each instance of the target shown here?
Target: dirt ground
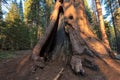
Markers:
(20, 68)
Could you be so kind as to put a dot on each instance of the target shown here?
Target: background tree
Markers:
(40, 19)
(21, 10)
(32, 18)
(101, 23)
(93, 18)
(48, 10)
(110, 9)
(117, 23)
(13, 13)
(110, 33)
(1, 10)
(15, 35)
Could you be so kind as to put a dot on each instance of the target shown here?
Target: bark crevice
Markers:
(68, 38)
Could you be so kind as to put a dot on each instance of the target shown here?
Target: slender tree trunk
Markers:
(1, 10)
(102, 25)
(119, 2)
(115, 30)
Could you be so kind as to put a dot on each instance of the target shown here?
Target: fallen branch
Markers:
(59, 74)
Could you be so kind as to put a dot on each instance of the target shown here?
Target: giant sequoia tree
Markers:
(69, 33)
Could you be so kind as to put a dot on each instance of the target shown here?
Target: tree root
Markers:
(76, 64)
(39, 64)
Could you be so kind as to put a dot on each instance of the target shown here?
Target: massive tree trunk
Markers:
(69, 33)
(101, 23)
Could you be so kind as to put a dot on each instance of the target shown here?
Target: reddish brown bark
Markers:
(81, 36)
(82, 28)
(101, 23)
(43, 40)
(82, 39)
(87, 50)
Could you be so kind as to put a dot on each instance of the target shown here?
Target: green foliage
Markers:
(32, 35)
(27, 5)
(15, 36)
(7, 54)
(109, 6)
(32, 9)
(96, 30)
(110, 34)
(117, 20)
(117, 26)
(117, 14)
(14, 33)
(1, 10)
(34, 18)
(13, 13)
(88, 11)
(38, 12)
(21, 10)
(48, 9)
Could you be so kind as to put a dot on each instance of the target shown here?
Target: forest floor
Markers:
(10, 69)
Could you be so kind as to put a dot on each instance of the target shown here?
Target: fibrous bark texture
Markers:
(47, 36)
(69, 33)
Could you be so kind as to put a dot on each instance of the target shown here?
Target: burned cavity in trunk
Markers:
(69, 32)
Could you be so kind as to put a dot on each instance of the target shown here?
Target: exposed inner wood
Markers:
(81, 37)
(50, 29)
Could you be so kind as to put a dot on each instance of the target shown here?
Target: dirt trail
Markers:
(109, 71)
